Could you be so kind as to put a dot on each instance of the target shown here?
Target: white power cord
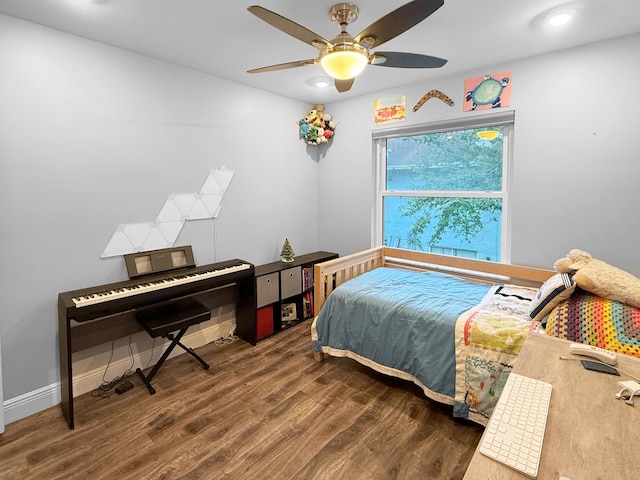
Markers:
(633, 389)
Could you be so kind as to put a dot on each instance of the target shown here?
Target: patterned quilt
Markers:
(488, 340)
(593, 320)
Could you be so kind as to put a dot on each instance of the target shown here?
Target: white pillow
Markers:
(556, 289)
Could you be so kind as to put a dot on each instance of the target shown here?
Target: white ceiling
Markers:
(222, 38)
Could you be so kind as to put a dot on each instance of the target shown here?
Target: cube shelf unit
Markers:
(284, 295)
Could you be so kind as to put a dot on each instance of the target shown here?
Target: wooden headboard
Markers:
(328, 275)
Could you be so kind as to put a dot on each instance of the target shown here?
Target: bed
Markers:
(452, 326)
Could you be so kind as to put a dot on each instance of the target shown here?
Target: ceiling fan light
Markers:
(344, 62)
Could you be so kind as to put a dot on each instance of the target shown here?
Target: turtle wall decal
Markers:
(487, 92)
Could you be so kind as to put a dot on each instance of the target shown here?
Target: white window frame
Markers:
(379, 137)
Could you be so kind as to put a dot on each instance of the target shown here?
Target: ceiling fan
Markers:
(345, 56)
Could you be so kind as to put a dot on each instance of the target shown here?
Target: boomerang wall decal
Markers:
(177, 209)
(433, 94)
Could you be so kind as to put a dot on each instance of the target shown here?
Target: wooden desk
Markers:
(590, 434)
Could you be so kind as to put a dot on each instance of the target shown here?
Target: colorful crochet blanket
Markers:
(593, 320)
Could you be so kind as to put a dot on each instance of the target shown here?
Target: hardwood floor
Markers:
(268, 412)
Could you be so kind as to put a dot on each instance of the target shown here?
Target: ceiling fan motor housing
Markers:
(343, 13)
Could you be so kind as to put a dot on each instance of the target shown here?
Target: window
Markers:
(443, 187)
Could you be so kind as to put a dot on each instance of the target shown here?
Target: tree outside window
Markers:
(445, 192)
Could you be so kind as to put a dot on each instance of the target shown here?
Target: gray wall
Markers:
(92, 137)
(576, 163)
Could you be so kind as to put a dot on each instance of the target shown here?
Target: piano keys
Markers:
(96, 315)
(90, 303)
(121, 291)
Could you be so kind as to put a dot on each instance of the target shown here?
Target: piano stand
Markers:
(175, 340)
(162, 320)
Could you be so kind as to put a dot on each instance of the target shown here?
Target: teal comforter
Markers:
(399, 322)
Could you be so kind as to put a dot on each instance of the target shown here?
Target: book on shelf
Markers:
(307, 305)
(307, 278)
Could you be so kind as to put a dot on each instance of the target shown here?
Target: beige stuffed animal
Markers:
(600, 278)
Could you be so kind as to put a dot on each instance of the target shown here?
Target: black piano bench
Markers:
(164, 319)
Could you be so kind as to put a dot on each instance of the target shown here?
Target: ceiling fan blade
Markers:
(343, 85)
(289, 27)
(398, 21)
(283, 66)
(406, 60)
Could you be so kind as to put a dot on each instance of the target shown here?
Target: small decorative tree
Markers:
(287, 252)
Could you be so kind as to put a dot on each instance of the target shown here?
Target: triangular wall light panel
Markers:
(177, 209)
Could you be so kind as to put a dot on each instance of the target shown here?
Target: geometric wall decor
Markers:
(177, 209)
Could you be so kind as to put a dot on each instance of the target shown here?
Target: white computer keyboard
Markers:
(515, 430)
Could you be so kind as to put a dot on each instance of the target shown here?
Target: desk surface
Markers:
(589, 434)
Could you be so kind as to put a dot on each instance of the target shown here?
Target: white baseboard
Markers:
(89, 371)
(31, 402)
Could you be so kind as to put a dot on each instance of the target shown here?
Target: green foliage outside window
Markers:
(447, 186)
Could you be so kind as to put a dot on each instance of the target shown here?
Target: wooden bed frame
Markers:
(329, 275)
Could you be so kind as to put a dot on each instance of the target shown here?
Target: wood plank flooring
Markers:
(265, 412)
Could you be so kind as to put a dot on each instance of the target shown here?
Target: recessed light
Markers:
(562, 16)
(85, 3)
(320, 82)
